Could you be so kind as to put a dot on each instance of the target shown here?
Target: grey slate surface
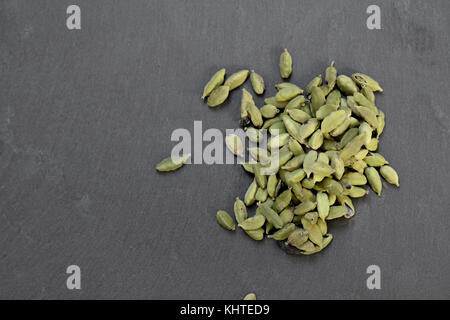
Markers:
(85, 116)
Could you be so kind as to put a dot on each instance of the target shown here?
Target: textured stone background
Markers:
(85, 116)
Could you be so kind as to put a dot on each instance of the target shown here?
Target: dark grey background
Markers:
(85, 116)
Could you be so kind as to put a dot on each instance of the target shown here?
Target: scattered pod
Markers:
(250, 296)
(240, 210)
(390, 175)
(236, 79)
(225, 220)
(374, 179)
(285, 64)
(218, 96)
(365, 81)
(234, 144)
(257, 82)
(172, 163)
(215, 81)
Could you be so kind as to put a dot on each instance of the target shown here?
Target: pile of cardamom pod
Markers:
(324, 140)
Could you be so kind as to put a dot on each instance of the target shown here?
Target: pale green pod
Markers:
(312, 217)
(259, 154)
(283, 157)
(325, 111)
(323, 205)
(375, 160)
(353, 122)
(276, 103)
(260, 178)
(234, 144)
(254, 135)
(331, 145)
(373, 145)
(337, 212)
(236, 79)
(322, 226)
(326, 241)
(288, 93)
(276, 142)
(354, 179)
(346, 85)
(330, 75)
(283, 85)
(257, 234)
(294, 163)
(302, 194)
(255, 115)
(215, 81)
(332, 199)
(304, 207)
(334, 97)
(315, 82)
(240, 210)
(285, 64)
(333, 120)
(172, 163)
(271, 216)
(284, 232)
(316, 140)
(277, 128)
(348, 136)
(296, 103)
(272, 182)
(269, 122)
(314, 233)
(361, 100)
(253, 223)
(346, 200)
(390, 175)
(368, 115)
(249, 198)
(361, 154)
(269, 226)
(246, 99)
(297, 238)
(359, 166)
(257, 82)
(287, 215)
(225, 220)
(261, 195)
(342, 128)
(365, 81)
(352, 147)
(321, 169)
(374, 179)
(269, 111)
(250, 296)
(307, 129)
(337, 164)
(295, 147)
(308, 183)
(283, 200)
(292, 127)
(355, 192)
(317, 99)
(292, 177)
(331, 186)
(309, 160)
(298, 115)
(368, 93)
(248, 167)
(365, 128)
(218, 96)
